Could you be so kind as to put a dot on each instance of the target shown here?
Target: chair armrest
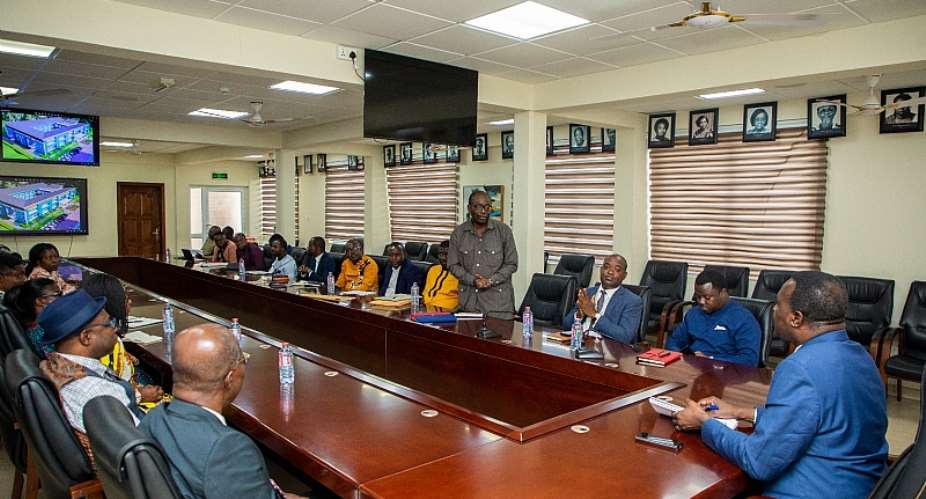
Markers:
(883, 345)
(91, 489)
(668, 319)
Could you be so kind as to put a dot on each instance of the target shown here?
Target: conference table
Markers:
(383, 406)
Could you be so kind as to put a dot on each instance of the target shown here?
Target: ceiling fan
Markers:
(255, 119)
(872, 104)
(11, 98)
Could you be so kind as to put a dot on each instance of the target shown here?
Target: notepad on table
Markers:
(142, 338)
(137, 322)
(658, 357)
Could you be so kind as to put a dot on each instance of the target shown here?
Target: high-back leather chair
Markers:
(129, 463)
(770, 282)
(338, 260)
(338, 248)
(381, 262)
(432, 253)
(423, 268)
(906, 478)
(871, 303)
(298, 254)
(64, 468)
(12, 335)
(550, 298)
(646, 295)
(12, 438)
(667, 280)
(578, 266)
(736, 278)
(910, 338)
(268, 256)
(416, 250)
(762, 311)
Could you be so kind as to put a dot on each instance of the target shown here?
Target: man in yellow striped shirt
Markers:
(441, 289)
(358, 271)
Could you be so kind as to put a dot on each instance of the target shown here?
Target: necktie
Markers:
(600, 305)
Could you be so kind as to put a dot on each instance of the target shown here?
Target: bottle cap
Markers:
(234, 319)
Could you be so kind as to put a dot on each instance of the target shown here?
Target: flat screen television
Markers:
(42, 206)
(412, 100)
(49, 137)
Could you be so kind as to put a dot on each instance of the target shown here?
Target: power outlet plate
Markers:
(344, 52)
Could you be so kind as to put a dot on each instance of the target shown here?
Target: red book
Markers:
(658, 357)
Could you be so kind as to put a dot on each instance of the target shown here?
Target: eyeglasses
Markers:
(46, 296)
(112, 323)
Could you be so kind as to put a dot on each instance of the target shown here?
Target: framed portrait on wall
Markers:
(322, 162)
(496, 195)
(902, 113)
(481, 147)
(702, 127)
(608, 139)
(453, 154)
(508, 145)
(661, 130)
(549, 141)
(405, 153)
(760, 122)
(307, 168)
(389, 155)
(826, 117)
(428, 155)
(579, 139)
(354, 163)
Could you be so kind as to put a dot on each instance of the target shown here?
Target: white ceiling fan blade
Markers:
(784, 19)
(906, 103)
(38, 93)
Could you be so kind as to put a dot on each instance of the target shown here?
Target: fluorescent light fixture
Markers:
(527, 20)
(8, 90)
(509, 121)
(254, 156)
(732, 93)
(26, 49)
(116, 143)
(304, 88)
(218, 113)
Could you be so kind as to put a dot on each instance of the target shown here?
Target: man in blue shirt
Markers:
(284, 263)
(718, 327)
(608, 308)
(821, 431)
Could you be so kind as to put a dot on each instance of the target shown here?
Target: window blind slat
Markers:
(422, 201)
(579, 205)
(344, 203)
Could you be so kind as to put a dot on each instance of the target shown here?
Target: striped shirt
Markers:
(441, 289)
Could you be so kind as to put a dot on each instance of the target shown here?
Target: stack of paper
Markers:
(142, 338)
(139, 322)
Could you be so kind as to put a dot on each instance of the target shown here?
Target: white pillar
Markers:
(286, 194)
(631, 213)
(530, 128)
(376, 233)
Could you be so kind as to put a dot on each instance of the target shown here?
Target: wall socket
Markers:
(344, 52)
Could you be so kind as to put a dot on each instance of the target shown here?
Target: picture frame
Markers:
(760, 122)
(508, 144)
(496, 195)
(661, 131)
(608, 139)
(902, 119)
(702, 126)
(307, 168)
(580, 137)
(481, 147)
(389, 155)
(453, 154)
(826, 117)
(405, 153)
(353, 163)
(322, 160)
(428, 156)
(549, 141)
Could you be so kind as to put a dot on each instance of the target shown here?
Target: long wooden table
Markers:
(357, 418)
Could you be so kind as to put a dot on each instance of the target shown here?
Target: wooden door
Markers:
(140, 218)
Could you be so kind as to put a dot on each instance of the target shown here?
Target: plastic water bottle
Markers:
(330, 283)
(242, 272)
(167, 255)
(287, 373)
(415, 298)
(168, 329)
(236, 329)
(576, 343)
(527, 323)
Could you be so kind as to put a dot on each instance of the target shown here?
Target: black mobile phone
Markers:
(665, 443)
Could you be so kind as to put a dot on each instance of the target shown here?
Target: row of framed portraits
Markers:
(429, 154)
(320, 162)
(826, 117)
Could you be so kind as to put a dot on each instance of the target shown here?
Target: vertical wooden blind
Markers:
(423, 201)
(579, 205)
(757, 204)
(344, 207)
(268, 207)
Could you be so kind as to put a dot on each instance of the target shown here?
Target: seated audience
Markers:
(225, 250)
(43, 262)
(400, 273)
(229, 233)
(209, 244)
(27, 301)
(821, 431)
(249, 252)
(284, 263)
(358, 271)
(11, 271)
(441, 288)
(316, 263)
(207, 458)
(718, 327)
(608, 309)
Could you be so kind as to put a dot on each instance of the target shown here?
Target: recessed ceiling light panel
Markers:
(26, 49)
(218, 113)
(8, 91)
(732, 93)
(527, 20)
(509, 121)
(116, 143)
(304, 88)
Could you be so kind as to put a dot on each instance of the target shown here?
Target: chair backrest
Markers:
(550, 297)
(298, 254)
(762, 311)
(416, 250)
(667, 280)
(129, 463)
(906, 478)
(338, 248)
(268, 256)
(12, 438)
(646, 295)
(770, 282)
(423, 268)
(578, 266)
(12, 335)
(913, 321)
(871, 303)
(737, 278)
(60, 459)
(338, 259)
(432, 253)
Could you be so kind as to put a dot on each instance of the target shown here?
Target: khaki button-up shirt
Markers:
(493, 256)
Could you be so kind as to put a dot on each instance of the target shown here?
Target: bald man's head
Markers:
(203, 356)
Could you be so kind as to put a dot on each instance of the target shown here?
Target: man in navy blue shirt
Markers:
(718, 327)
(821, 431)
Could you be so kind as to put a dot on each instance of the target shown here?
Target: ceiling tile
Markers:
(586, 40)
(334, 34)
(266, 21)
(481, 65)
(885, 10)
(198, 8)
(524, 55)
(19, 62)
(420, 52)
(153, 80)
(228, 78)
(172, 69)
(68, 81)
(323, 11)
(599, 10)
(96, 59)
(131, 87)
(454, 11)
(391, 22)
(573, 67)
(637, 54)
(526, 76)
(14, 77)
(701, 42)
(835, 17)
(640, 23)
(464, 40)
(74, 68)
(745, 7)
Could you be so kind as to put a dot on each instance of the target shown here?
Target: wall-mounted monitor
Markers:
(42, 206)
(49, 137)
(411, 100)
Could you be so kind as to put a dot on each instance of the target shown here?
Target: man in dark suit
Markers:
(400, 274)
(207, 458)
(316, 263)
(608, 309)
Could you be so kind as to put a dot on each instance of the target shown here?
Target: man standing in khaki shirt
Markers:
(483, 257)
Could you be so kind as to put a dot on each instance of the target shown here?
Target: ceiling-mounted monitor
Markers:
(49, 137)
(411, 100)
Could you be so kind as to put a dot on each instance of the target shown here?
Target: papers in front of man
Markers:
(142, 338)
(139, 322)
(468, 315)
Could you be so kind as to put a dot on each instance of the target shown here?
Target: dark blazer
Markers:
(326, 265)
(207, 459)
(620, 320)
(408, 274)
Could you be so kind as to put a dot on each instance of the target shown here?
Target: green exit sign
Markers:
(219, 176)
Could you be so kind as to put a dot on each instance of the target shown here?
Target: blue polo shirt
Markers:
(731, 334)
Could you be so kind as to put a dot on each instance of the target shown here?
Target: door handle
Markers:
(157, 232)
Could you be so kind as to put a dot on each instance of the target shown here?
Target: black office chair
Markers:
(762, 311)
(903, 353)
(423, 268)
(268, 257)
(767, 286)
(298, 254)
(338, 260)
(432, 253)
(646, 295)
(736, 278)
(129, 463)
(338, 248)
(416, 251)
(13, 440)
(906, 478)
(64, 468)
(667, 280)
(550, 298)
(12, 335)
(381, 262)
(578, 266)
(871, 303)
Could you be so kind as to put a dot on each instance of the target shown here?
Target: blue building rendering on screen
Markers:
(24, 204)
(45, 136)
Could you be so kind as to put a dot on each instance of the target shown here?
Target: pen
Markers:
(711, 407)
